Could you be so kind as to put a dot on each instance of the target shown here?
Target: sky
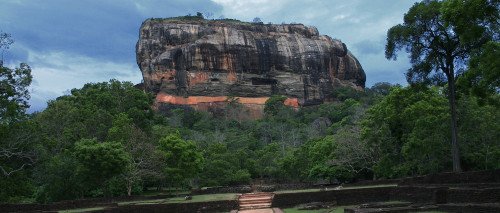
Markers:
(69, 43)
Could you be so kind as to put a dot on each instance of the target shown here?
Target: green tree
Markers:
(477, 23)
(274, 104)
(435, 49)
(483, 76)
(100, 161)
(351, 153)
(19, 139)
(182, 159)
(144, 162)
(295, 164)
(14, 93)
(223, 167)
(20, 152)
(57, 179)
(406, 132)
(480, 132)
(199, 15)
(322, 153)
(89, 112)
(267, 161)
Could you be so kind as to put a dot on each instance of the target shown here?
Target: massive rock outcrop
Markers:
(201, 63)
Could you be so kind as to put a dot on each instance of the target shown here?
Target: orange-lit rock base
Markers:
(254, 106)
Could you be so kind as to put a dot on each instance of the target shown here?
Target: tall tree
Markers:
(435, 49)
(16, 151)
(14, 92)
(100, 161)
(477, 23)
(406, 132)
(182, 159)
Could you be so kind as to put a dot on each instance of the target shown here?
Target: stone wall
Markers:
(222, 189)
(258, 188)
(491, 195)
(488, 176)
(414, 194)
(342, 197)
(73, 204)
(188, 207)
(212, 206)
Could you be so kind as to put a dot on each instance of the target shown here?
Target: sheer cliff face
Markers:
(201, 63)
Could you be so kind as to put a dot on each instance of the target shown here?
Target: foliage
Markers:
(321, 152)
(57, 179)
(406, 130)
(435, 50)
(274, 104)
(108, 122)
(19, 147)
(432, 45)
(182, 159)
(100, 161)
(89, 112)
(479, 132)
(483, 76)
(222, 167)
(19, 137)
(14, 93)
(343, 93)
(17, 187)
(476, 22)
(257, 20)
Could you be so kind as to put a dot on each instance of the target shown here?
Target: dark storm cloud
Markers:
(105, 29)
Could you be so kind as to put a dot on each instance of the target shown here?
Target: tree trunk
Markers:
(455, 152)
(129, 187)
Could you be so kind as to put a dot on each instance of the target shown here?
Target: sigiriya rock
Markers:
(200, 63)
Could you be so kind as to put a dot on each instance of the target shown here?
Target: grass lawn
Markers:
(296, 191)
(434, 212)
(329, 189)
(81, 210)
(370, 186)
(336, 209)
(164, 191)
(203, 198)
(196, 198)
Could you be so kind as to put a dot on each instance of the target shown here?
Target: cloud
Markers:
(383, 70)
(105, 29)
(367, 47)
